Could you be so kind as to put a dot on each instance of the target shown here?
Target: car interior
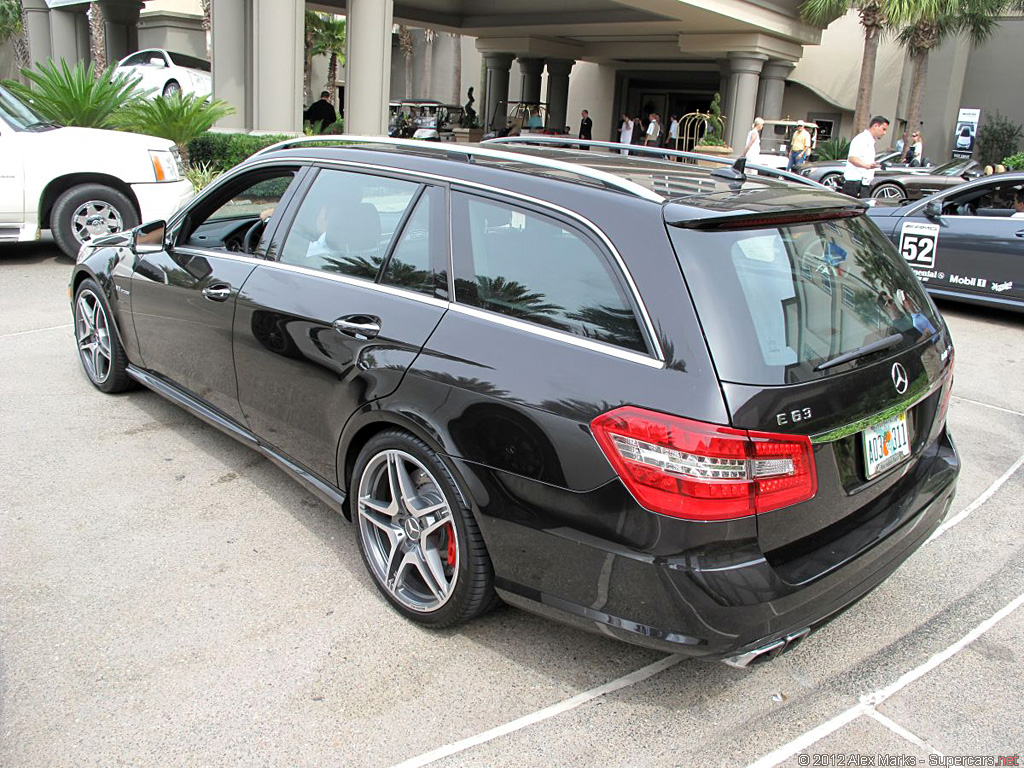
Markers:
(995, 200)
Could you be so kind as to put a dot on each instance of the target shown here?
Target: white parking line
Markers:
(985, 496)
(37, 330)
(987, 405)
(555, 709)
(872, 700)
(902, 732)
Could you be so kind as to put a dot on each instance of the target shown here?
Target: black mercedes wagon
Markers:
(698, 410)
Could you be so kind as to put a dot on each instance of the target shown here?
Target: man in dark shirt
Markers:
(320, 113)
(586, 127)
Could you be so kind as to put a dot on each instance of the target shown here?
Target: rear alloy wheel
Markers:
(100, 350)
(888, 192)
(89, 211)
(418, 540)
(833, 181)
(173, 88)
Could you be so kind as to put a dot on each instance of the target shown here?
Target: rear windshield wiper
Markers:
(867, 349)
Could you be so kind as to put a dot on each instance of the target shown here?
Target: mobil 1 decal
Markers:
(917, 243)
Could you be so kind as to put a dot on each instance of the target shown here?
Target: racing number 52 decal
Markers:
(917, 243)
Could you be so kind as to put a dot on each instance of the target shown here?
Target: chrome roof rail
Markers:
(567, 142)
(605, 178)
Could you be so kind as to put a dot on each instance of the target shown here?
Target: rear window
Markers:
(777, 303)
(181, 60)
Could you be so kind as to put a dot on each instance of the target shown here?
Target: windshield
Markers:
(953, 168)
(777, 303)
(17, 113)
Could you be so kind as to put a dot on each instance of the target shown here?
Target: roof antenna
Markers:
(734, 172)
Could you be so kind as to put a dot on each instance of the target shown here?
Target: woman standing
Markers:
(625, 132)
(915, 155)
(752, 149)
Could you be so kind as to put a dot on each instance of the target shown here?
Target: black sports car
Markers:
(915, 183)
(966, 243)
(830, 172)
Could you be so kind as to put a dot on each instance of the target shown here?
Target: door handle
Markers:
(1019, 233)
(217, 292)
(358, 326)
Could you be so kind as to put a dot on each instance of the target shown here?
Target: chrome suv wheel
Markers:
(418, 540)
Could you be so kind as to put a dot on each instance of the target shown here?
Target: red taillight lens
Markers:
(699, 471)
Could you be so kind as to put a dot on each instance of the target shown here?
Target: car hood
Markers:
(100, 141)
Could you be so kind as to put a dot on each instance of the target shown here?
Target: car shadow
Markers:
(37, 252)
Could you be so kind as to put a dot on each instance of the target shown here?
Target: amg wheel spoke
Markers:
(405, 485)
(429, 511)
(379, 515)
(435, 522)
(398, 562)
(432, 572)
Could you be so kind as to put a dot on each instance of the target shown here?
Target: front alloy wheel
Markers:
(99, 348)
(888, 192)
(407, 531)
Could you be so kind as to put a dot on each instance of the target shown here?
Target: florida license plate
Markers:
(886, 444)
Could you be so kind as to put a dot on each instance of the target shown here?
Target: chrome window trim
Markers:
(556, 335)
(608, 179)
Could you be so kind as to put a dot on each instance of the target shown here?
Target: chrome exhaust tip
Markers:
(766, 652)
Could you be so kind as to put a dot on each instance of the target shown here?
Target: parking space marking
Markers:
(872, 700)
(902, 732)
(985, 496)
(37, 330)
(987, 405)
(543, 714)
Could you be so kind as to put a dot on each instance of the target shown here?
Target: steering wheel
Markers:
(252, 236)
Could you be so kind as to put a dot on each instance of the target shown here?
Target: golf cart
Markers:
(425, 119)
(775, 140)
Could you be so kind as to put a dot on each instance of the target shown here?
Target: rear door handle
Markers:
(358, 326)
(217, 292)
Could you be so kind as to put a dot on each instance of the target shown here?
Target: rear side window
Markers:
(776, 303)
(346, 222)
(523, 264)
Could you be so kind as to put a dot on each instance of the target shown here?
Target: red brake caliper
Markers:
(451, 544)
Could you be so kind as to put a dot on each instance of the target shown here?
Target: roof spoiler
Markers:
(685, 217)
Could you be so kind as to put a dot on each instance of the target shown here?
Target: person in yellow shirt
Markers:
(800, 146)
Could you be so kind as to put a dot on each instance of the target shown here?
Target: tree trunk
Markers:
(405, 44)
(867, 79)
(457, 69)
(332, 77)
(97, 39)
(207, 28)
(920, 62)
(22, 51)
(428, 61)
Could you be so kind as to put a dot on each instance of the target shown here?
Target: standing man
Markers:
(653, 131)
(673, 132)
(799, 146)
(586, 127)
(860, 163)
(320, 113)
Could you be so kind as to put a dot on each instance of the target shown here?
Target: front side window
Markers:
(346, 223)
(995, 200)
(533, 267)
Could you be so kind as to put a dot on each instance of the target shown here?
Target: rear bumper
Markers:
(160, 200)
(715, 600)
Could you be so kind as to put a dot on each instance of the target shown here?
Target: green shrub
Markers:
(201, 174)
(998, 137)
(714, 125)
(180, 118)
(221, 151)
(75, 96)
(335, 129)
(1014, 162)
(833, 149)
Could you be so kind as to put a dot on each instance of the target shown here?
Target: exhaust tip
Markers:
(768, 651)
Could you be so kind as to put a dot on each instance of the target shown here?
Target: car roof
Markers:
(653, 179)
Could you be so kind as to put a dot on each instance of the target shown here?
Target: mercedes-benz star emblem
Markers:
(899, 378)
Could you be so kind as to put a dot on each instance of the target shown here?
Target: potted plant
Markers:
(712, 142)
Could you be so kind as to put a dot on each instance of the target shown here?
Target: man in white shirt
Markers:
(653, 131)
(860, 163)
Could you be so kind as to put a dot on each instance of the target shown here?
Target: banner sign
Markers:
(966, 132)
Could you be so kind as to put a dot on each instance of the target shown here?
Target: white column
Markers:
(231, 39)
(558, 91)
(367, 67)
(771, 89)
(37, 17)
(121, 27)
(64, 37)
(498, 65)
(276, 64)
(745, 69)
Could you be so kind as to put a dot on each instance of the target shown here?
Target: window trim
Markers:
(614, 266)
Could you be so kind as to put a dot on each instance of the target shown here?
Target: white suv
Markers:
(81, 183)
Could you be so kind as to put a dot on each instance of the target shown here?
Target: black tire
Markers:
(88, 211)
(99, 348)
(172, 88)
(469, 575)
(833, 181)
(888, 191)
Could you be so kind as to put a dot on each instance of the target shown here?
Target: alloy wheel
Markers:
(407, 530)
(95, 218)
(93, 334)
(833, 181)
(887, 192)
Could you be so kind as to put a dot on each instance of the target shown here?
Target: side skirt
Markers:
(331, 496)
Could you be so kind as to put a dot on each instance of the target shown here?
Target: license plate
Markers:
(886, 444)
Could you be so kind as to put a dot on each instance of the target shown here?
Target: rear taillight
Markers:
(699, 471)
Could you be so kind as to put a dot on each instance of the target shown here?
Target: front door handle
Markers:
(1019, 233)
(358, 326)
(217, 292)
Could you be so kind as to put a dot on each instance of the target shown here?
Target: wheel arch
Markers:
(58, 186)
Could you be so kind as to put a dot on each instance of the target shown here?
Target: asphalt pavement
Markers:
(168, 597)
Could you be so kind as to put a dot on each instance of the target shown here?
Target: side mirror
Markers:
(149, 238)
(157, 61)
(933, 209)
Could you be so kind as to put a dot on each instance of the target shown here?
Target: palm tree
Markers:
(428, 60)
(309, 37)
(329, 40)
(97, 39)
(406, 45)
(873, 18)
(207, 26)
(926, 23)
(180, 118)
(12, 27)
(457, 68)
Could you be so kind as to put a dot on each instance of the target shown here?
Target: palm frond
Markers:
(179, 118)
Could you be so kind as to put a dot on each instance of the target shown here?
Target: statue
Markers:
(469, 114)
